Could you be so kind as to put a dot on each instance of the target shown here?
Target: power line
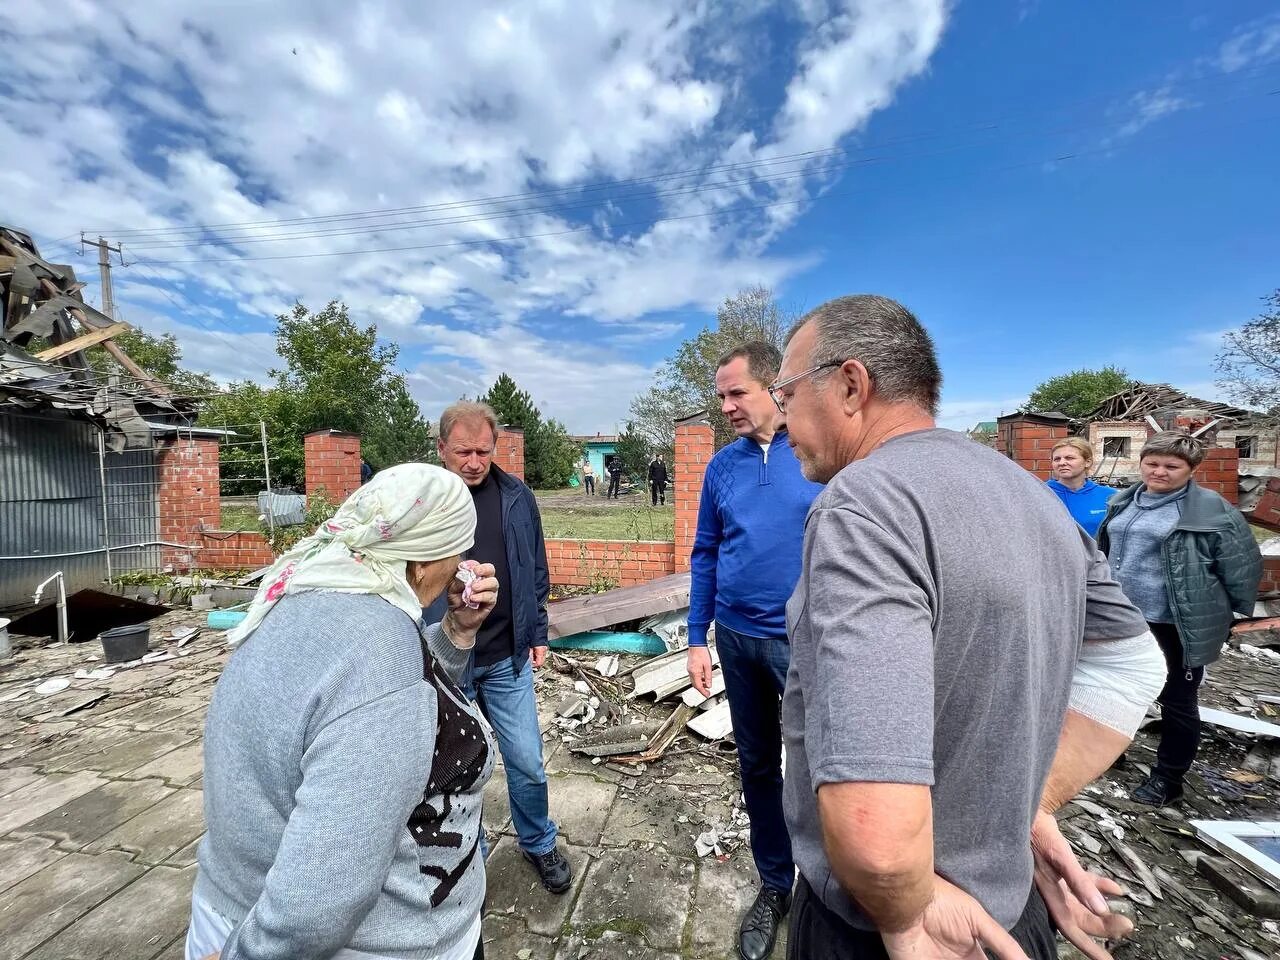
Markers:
(747, 208)
(174, 233)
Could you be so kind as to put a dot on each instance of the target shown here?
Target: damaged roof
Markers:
(1140, 400)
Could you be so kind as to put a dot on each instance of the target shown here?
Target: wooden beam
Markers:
(82, 342)
(579, 614)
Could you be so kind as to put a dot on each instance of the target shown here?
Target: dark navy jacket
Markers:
(527, 562)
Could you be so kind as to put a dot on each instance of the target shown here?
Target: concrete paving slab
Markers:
(505, 938)
(80, 821)
(22, 858)
(722, 894)
(136, 921)
(653, 813)
(160, 831)
(129, 753)
(175, 951)
(66, 751)
(514, 888)
(579, 805)
(160, 713)
(42, 905)
(611, 946)
(637, 893)
(48, 793)
(178, 767)
(15, 778)
(36, 736)
(187, 855)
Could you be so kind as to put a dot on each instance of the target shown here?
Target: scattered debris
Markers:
(615, 741)
(607, 666)
(53, 685)
(1236, 722)
(579, 614)
(713, 724)
(694, 699)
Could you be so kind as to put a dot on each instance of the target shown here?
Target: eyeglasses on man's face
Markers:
(775, 388)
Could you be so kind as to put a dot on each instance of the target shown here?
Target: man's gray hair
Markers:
(886, 338)
(469, 411)
(763, 360)
(1174, 443)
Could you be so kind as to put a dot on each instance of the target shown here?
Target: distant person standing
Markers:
(589, 478)
(1086, 501)
(658, 480)
(614, 467)
(366, 472)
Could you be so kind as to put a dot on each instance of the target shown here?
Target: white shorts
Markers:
(209, 931)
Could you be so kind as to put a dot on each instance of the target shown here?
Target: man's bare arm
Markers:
(879, 842)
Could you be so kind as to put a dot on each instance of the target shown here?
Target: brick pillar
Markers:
(188, 494)
(1220, 472)
(332, 463)
(1029, 438)
(695, 444)
(509, 452)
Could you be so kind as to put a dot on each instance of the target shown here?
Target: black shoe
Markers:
(1158, 791)
(553, 870)
(759, 930)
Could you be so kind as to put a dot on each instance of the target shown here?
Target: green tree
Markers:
(1249, 364)
(686, 382)
(159, 356)
(336, 375)
(549, 455)
(514, 407)
(636, 453)
(1078, 392)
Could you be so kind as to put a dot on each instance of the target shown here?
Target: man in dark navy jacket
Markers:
(512, 642)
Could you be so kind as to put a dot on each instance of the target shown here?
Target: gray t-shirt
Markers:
(934, 632)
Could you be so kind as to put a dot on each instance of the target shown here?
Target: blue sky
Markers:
(1048, 185)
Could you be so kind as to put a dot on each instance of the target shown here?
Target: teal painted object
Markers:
(225, 619)
(604, 641)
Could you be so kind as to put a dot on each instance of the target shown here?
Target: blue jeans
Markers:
(755, 674)
(507, 701)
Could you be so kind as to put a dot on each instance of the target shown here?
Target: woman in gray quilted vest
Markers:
(1187, 560)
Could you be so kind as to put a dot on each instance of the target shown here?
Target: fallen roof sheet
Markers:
(581, 614)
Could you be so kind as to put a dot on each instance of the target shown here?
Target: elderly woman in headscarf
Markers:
(343, 767)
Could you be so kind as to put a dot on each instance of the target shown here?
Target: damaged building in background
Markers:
(79, 451)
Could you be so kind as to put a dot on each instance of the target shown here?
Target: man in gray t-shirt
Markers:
(935, 633)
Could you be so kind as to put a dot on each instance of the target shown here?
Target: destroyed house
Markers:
(78, 446)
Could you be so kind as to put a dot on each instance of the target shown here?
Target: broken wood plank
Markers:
(661, 741)
(580, 614)
(713, 724)
(1198, 902)
(1233, 721)
(83, 342)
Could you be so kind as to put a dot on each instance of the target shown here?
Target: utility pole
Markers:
(104, 270)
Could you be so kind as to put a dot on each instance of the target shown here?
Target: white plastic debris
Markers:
(607, 666)
(53, 685)
(672, 627)
(582, 687)
(158, 656)
(101, 673)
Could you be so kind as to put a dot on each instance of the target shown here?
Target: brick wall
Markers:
(1135, 431)
(584, 563)
(1267, 512)
(219, 550)
(1029, 438)
(332, 463)
(1270, 576)
(508, 454)
(1220, 472)
(695, 445)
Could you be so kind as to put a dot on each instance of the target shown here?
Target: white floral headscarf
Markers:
(410, 512)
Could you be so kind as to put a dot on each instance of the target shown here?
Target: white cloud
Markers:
(193, 114)
(1148, 106)
(1254, 43)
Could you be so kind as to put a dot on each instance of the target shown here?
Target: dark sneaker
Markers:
(553, 870)
(759, 930)
(1158, 791)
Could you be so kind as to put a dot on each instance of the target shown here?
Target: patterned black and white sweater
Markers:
(342, 786)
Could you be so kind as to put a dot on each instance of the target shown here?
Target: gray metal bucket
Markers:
(125, 643)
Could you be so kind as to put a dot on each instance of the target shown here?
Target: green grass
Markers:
(1262, 533)
(238, 517)
(641, 522)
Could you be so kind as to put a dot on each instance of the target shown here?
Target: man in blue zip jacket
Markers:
(512, 641)
(745, 563)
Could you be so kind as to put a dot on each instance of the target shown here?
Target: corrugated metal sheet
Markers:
(50, 503)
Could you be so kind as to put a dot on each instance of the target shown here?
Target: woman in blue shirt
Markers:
(1072, 459)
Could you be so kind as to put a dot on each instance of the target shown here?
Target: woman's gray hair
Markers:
(886, 338)
(1174, 443)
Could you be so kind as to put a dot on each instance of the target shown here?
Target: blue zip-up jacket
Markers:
(527, 563)
(1087, 506)
(746, 553)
